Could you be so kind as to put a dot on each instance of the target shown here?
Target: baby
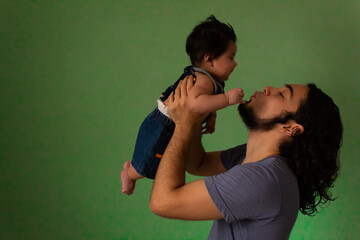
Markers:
(211, 48)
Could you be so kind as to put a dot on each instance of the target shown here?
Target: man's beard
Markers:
(252, 122)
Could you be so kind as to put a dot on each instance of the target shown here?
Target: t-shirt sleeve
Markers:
(233, 156)
(248, 191)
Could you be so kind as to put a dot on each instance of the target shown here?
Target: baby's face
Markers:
(225, 63)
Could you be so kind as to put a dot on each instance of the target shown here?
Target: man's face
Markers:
(267, 108)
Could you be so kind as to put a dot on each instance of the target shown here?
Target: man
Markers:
(255, 190)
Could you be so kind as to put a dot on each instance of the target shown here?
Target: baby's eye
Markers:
(281, 94)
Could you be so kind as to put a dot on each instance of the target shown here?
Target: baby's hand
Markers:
(235, 96)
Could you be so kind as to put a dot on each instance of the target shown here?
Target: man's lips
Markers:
(255, 95)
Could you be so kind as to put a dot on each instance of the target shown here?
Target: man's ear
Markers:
(292, 128)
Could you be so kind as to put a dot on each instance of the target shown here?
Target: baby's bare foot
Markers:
(128, 185)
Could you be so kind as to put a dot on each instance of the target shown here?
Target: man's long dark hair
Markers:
(314, 154)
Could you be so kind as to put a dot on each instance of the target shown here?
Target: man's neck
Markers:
(260, 145)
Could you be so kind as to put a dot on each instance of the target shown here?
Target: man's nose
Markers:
(267, 90)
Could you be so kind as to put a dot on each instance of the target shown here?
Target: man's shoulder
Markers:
(280, 171)
(270, 169)
(276, 164)
(233, 156)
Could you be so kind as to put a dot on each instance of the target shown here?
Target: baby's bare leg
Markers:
(128, 178)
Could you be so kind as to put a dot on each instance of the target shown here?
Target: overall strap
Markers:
(190, 70)
(218, 87)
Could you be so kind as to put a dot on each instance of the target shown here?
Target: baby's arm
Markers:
(201, 100)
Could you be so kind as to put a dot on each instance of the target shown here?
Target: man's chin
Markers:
(242, 105)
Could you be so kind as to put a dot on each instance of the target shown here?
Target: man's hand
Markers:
(179, 112)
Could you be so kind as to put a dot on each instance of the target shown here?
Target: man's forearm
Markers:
(196, 153)
(173, 198)
(171, 172)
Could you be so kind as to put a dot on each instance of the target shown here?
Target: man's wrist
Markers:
(186, 130)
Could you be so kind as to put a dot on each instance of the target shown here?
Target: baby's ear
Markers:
(208, 59)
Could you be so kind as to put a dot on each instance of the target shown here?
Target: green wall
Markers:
(78, 77)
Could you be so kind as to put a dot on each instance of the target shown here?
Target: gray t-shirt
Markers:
(258, 200)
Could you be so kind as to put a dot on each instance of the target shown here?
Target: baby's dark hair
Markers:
(209, 37)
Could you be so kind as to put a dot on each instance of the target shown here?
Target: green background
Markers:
(78, 77)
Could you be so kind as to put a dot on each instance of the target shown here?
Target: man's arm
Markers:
(171, 197)
(201, 163)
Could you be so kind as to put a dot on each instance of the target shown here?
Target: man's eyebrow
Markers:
(291, 89)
